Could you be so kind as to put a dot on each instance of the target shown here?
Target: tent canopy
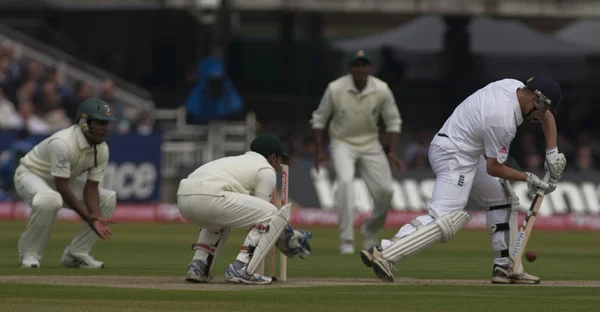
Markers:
(489, 36)
(583, 32)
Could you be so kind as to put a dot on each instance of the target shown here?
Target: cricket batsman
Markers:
(48, 179)
(354, 103)
(467, 156)
(234, 192)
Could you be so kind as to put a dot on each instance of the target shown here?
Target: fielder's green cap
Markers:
(359, 56)
(267, 144)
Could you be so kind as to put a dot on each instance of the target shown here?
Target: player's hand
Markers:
(555, 164)
(395, 163)
(101, 226)
(534, 183)
(319, 158)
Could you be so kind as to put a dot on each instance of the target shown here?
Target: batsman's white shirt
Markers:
(67, 154)
(486, 122)
(354, 114)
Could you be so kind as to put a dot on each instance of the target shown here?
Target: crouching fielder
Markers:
(234, 192)
(48, 179)
(467, 156)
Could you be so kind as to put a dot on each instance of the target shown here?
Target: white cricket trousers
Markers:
(458, 176)
(373, 167)
(45, 202)
(216, 215)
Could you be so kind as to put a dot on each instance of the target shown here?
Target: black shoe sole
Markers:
(381, 274)
(366, 258)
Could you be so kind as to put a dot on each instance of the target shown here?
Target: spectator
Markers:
(15, 70)
(26, 91)
(420, 161)
(53, 75)
(9, 119)
(107, 94)
(214, 95)
(51, 107)
(10, 73)
(35, 71)
(145, 126)
(29, 121)
(584, 160)
(533, 162)
(418, 147)
(81, 92)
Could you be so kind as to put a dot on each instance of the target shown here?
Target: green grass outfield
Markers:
(140, 251)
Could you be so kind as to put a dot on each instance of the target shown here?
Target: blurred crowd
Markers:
(35, 98)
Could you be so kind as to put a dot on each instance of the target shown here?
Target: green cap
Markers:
(266, 144)
(95, 109)
(359, 56)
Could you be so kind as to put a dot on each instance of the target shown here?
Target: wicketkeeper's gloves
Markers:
(294, 243)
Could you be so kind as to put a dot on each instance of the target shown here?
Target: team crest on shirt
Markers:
(63, 163)
(108, 111)
(503, 150)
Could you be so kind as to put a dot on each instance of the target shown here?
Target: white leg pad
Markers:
(268, 239)
(442, 229)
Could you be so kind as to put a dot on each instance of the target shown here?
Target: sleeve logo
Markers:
(503, 150)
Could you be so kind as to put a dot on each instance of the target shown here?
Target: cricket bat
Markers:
(527, 226)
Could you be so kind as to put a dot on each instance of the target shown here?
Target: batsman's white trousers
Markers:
(45, 202)
(373, 167)
(229, 210)
(458, 176)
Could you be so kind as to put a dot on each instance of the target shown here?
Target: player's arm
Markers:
(319, 120)
(555, 161)
(266, 180)
(60, 168)
(91, 193)
(497, 141)
(550, 130)
(393, 122)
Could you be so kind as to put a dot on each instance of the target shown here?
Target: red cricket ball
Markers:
(530, 256)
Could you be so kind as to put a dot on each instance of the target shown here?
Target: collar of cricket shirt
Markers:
(81, 140)
(370, 87)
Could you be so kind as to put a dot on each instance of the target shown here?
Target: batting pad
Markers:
(441, 229)
(268, 239)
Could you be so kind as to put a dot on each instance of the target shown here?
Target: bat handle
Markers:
(546, 179)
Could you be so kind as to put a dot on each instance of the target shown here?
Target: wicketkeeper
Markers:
(234, 192)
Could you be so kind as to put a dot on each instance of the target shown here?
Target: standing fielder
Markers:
(467, 156)
(47, 178)
(355, 102)
(234, 192)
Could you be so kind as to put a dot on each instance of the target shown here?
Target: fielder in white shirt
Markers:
(47, 179)
(234, 192)
(467, 156)
(355, 102)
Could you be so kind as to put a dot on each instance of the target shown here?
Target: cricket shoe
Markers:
(29, 262)
(234, 275)
(83, 261)
(347, 248)
(373, 257)
(196, 272)
(501, 275)
(369, 238)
